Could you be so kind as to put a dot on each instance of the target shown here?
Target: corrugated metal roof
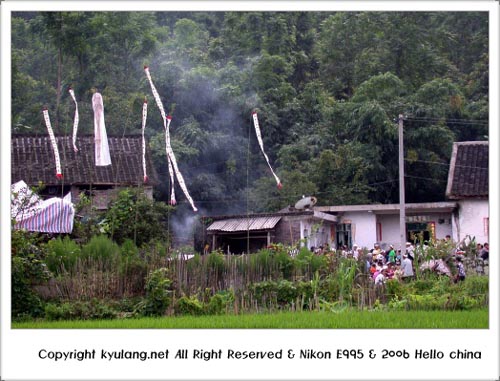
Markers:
(244, 224)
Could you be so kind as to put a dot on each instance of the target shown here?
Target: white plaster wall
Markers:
(471, 220)
(444, 229)
(364, 227)
(390, 230)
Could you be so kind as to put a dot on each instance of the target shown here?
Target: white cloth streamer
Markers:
(144, 117)
(75, 120)
(172, 162)
(261, 144)
(54, 143)
(102, 156)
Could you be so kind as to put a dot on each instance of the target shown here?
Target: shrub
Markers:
(427, 302)
(25, 302)
(264, 293)
(398, 303)
(261, 263)
(286, 292)
(134, 216)
(305, 290)
(216, 264)
(79, 310)
(329, 288)
(476, 285)
(27, 269)
(394, 288)
(158, 293)
(58, 312)
(284, 263)
(220, 302)
(62, 255)
(131, 264)
(102, 250)
(188, 306)
(422, 286)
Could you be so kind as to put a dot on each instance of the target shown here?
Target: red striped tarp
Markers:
(55, 215)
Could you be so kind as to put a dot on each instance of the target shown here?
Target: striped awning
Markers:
(244, 224)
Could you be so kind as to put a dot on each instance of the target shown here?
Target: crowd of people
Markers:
(383, 265)
(390, 264)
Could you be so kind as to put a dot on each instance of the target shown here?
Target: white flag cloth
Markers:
(102, 156)
(261, 144)
(166, 125)
(54, 143)
(172, 162)
(166, 128)
(178, 173)
(75, 120)
(144, 117)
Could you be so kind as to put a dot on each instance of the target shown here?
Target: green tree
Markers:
(266, 197)
(134, 216)
(342, 176)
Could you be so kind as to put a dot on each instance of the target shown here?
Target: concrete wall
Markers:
(444, 227)
(390, 230)
(390, 227)
(363, 227)
(471, 220)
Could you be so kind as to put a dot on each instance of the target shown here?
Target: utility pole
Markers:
(402, 206)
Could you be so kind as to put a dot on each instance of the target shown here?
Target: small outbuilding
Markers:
(237, 234)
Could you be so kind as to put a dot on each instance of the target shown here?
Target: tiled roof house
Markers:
(468, 184)
(32, 160)
(468, 174)
(465, 214)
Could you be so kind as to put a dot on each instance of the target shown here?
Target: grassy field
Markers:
(341, 320)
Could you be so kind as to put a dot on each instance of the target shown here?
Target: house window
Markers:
(344, 235)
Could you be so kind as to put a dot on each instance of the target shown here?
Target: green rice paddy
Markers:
(347, 319)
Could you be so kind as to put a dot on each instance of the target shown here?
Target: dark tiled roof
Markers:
(468, 174)
(33, 161)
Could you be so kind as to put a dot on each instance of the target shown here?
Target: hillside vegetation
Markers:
(328, 88)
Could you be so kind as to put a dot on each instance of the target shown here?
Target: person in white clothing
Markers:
(381, 277)
(407, 267)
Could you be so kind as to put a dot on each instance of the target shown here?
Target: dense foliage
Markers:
(328, 88)
(60, 279)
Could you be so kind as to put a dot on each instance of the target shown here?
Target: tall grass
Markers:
(267, 281)
(102, 269)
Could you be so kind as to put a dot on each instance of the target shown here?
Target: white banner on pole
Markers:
(261, 144)
(54, 143)
(102, 156)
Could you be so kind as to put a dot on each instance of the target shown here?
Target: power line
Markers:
(450, 121)
(228, 200)
(425, 178)
(446, 164)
